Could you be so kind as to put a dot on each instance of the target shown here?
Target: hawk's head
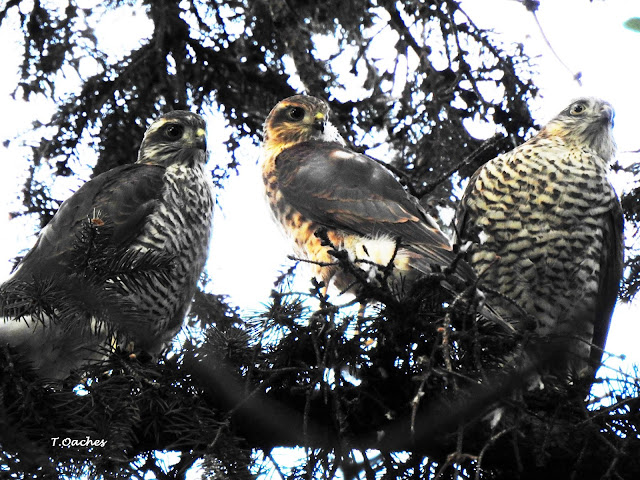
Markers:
(586, 122)
(176, 137)
(298, 119)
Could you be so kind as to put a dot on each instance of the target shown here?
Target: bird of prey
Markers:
(314, 181)
(545, 227)
(120, 260)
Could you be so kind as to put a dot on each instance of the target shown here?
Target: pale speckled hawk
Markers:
(67, 301)
(546, 227)
(313, 180)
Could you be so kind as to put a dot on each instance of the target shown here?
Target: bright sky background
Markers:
(588, 36)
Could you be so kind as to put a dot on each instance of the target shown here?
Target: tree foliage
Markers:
(401, 391)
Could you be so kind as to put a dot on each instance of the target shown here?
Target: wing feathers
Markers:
(338, 188)
(121, 198)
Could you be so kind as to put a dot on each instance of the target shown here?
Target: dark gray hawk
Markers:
(312, 181)
(120, 260)
(546, 232)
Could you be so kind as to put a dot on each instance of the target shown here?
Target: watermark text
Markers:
(74, 442)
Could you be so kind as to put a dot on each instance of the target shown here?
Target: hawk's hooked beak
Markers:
(201, 139)
(319, 121)
(607, 112)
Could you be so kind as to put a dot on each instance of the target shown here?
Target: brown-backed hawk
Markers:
(546, 232)
(313, 181)
(120, 260)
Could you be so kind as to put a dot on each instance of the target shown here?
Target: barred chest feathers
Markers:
(180, 226)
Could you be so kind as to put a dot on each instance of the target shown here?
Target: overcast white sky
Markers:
(589, 37)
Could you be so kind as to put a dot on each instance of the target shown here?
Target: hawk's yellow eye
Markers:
(174, 132)
(578, 109)
(296, 113)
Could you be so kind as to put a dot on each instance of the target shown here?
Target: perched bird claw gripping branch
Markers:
(546, 227)
(314, 181)
(119, 262)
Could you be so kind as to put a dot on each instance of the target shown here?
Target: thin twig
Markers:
(576, 76)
